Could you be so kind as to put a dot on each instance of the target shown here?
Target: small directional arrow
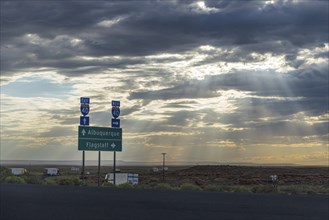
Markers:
(84, 120)
(113, 145)
(115, 123)
(83, 132)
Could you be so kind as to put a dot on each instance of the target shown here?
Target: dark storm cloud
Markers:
(52, 18)
(151, 28)
(177, 30)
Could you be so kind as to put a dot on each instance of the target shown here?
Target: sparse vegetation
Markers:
(243, 189)
(32, 179)
(225, 188)
(49, 181)
(63, 180)
(107, 184)
(218, 188)
(75, 181)
(4, 173)
(15, 179)
(200, 178)
(304, 189)
(190, 187)
(163, 186)
(263, 189)
(211, 188)
(126, 186)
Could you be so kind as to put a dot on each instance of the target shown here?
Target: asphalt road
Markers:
(73, 202)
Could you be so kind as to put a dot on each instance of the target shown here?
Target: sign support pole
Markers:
(99, 167)
(115, 123)
(83, 165)
(114, 166)
(84, 121)
(163, 166)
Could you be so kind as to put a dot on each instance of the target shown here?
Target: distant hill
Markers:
(125, 163)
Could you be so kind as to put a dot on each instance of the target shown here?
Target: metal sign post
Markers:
(115, 124)
(84, 121)
(163, 166)
(99, 167)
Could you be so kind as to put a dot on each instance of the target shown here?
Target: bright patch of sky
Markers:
(36, 86)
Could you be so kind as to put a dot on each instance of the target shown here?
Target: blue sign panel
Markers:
(115, 112)
(84, 100)
(84, 120)
(115, 123)
(84, 109)
(115, 103)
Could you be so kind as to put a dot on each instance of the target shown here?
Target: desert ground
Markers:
(225, 178)
(242, 175)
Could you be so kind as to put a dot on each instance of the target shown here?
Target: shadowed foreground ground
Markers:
(77, 202)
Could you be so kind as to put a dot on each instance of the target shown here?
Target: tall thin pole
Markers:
(83, 165)
(163, 166)
(114, 166)
(115, 114)
(99, 167)
(84, 121)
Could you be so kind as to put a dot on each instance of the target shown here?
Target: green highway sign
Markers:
(99, 138)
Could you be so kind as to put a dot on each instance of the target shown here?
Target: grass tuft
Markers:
(190, 187)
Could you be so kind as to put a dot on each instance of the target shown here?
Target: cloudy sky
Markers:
(203, 81)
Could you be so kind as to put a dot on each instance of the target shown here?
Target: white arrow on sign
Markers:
(113, 145)
(84, 121)
(83, 132)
